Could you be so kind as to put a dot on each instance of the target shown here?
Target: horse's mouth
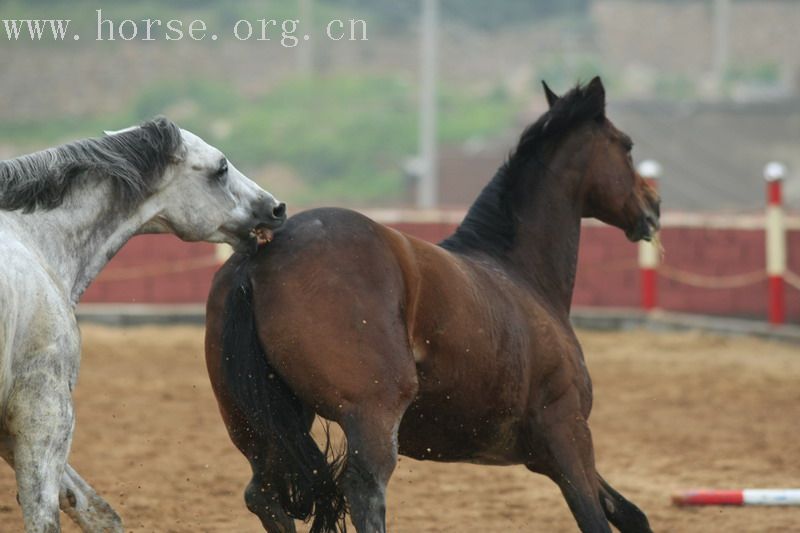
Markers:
(646, 228)
(262, 234)
(249, 240)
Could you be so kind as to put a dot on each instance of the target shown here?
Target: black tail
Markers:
(305, 480)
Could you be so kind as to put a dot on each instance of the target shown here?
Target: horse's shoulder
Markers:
(21, 271)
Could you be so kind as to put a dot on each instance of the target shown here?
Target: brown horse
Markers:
(458, 352)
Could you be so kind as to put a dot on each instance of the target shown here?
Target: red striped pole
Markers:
(738, 497)
(649, 255)
(774, 173)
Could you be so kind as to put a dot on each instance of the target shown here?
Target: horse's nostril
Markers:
(279, 211)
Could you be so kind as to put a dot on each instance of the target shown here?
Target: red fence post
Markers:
(649, 255)
(775, 228)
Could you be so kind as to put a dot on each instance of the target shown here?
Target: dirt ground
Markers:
(671, 411)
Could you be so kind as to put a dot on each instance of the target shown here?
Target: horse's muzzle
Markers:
(267, 217)
(646, 225)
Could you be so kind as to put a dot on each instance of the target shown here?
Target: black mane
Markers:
(133, 160)
(490, 224)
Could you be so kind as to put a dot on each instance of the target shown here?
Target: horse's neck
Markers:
(548, 234)
(77, 239)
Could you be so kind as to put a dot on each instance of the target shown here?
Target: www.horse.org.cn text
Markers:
(288, 33)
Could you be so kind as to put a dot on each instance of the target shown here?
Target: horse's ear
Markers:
(552, 97)
(596, 93)
(116, 132)
(179, 156)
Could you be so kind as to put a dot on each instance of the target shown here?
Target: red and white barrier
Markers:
(774, 174)
(649, 253)
(738, 497)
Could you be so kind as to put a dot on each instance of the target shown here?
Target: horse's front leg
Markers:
(40, 419)
(563, 451)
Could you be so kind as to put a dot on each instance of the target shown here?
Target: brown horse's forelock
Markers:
(133, 161)
(490, 225)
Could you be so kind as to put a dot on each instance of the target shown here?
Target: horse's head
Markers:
(203, 197)
(611, 190)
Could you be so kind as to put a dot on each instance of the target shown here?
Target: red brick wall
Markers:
(162, 269)
(607, 271)
(156, 269)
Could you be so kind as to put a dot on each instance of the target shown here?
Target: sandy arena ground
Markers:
(671, 411)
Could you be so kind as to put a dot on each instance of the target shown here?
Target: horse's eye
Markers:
(222, 170)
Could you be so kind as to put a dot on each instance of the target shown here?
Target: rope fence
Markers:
(158, 269)
(792, 279)
(775, 275)
(701, 281)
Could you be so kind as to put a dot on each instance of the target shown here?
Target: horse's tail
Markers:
(306, 481)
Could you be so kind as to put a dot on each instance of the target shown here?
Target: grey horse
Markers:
(64, 213)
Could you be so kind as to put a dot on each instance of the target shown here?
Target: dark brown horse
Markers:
(458, 352)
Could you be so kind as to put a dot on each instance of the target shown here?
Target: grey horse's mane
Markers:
(132, 160)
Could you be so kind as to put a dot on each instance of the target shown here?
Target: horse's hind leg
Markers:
(262, 502)
(371, 459)
(40, 420)
(622, 513)
(370, 424)
(85, 507)
(260, 495)
(563, 436)
(77, 499)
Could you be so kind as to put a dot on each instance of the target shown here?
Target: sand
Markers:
(672, 410)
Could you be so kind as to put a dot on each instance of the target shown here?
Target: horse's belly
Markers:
(435, 431)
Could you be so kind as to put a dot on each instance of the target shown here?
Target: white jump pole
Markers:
(738, 497)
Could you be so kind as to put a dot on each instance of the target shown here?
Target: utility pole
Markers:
(428, 184)
(721, 45)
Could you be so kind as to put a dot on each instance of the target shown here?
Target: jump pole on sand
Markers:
(774, 174)
(649, 255)
(738, 497)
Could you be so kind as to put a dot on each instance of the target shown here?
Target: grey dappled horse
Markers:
(64, 213)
